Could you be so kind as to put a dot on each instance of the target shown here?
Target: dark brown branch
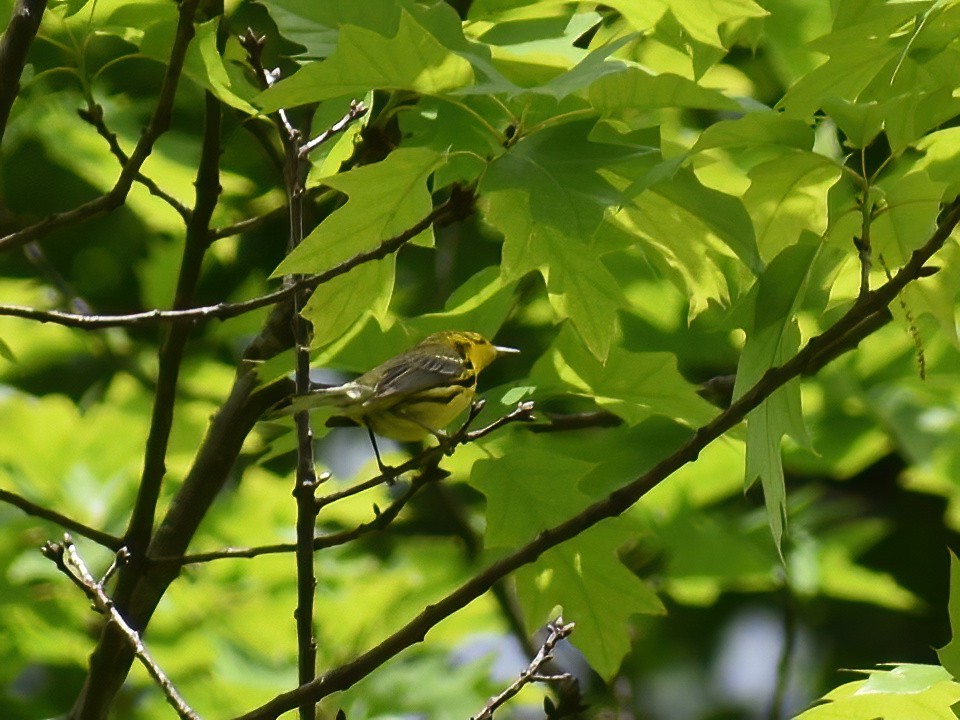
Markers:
(380, 521)
(556, 631)
(159, 123)
(432, 455)
(106, 674)
(247, 224)
(563, 422)
(31, 508)
(64, 555)
(174, 345)
(863, 243)
(426, 463)
(224, 311)
(93, 115)
(14, 45)
(622, 499)
(215, 457)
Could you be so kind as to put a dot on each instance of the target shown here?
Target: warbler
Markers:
(414, 394)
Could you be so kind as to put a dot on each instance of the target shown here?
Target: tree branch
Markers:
(93, 114)
(556, 631)
(64, 555)
(622, 499)
(215, 457)
(14, 45)
(523, 412)
(174, 345)
(427, 463)
(31, 508)
(159, 123)
(224, 311)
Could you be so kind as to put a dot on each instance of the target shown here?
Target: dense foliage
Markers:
(720, 234)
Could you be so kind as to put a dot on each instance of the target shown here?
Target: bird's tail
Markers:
(319, 396)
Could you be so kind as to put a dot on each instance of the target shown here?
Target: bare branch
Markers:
(93, 114)
(224, 311)
(14, 45)
(31, 508)
(843, 331)
(174, 344)
(562, 422)
(432, 455)
(158, 125)
(357, 110)
(426, 463)
(64, 555)
(295, 169)
(557, 631)
(380, 521)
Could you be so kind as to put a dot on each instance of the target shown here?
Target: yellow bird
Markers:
(416, 393)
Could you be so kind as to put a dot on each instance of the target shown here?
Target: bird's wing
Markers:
(401, 377)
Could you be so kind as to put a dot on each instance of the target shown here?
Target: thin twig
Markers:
(64, 555)
(224, 311)
(425, 462)
(295, 170)
(563, 422)
(863, 243)
(357, 110)
(558, 630)
(522, 413)
(786, 654)
(159, 123)
(31, 508)
(623, 498)
(380, 521)
(34, 253)
(93, 114)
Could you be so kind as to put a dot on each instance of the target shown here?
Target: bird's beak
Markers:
(505, 350)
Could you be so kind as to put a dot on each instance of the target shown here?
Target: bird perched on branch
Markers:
(414, 394)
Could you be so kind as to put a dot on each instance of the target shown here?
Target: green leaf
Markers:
(860, 122)
(579, 287)
(336, 305)
(702, 20)
(528, 492)
(772, 338)
(385, 199)
(635, 88)
(907, 692)
(757, 128)
(481, 304)
(536, 489)
(895, 76)
(593, 66)
(700, 238)
(412, 59)
(566, 175)
(594, 589)
(6, 353)
(828, 558)
(864, 46)
(634, 385)
(204, 64)
(720, 215)
(547, 197)
(909, 217)
(787, 196)
(949, 654)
